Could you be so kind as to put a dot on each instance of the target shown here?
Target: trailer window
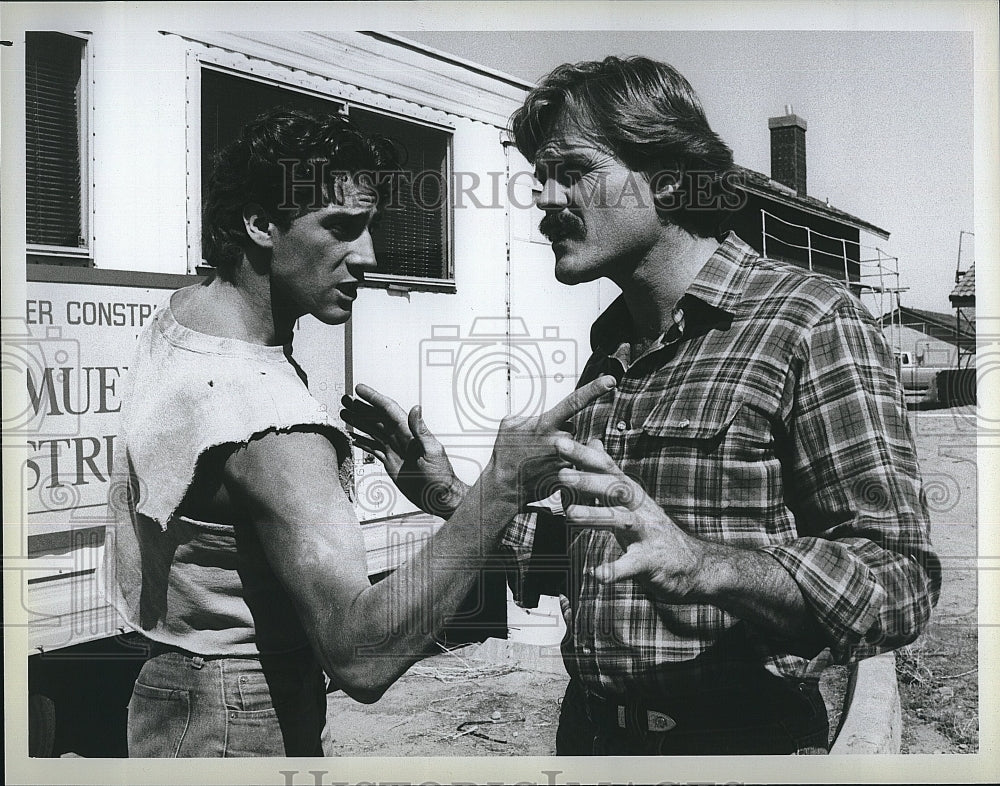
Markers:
(55, 188)
(412, 238)
(411, 241)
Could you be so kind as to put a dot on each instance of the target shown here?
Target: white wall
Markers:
(139, 149)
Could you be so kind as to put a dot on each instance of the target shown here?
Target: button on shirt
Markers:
(767, 417)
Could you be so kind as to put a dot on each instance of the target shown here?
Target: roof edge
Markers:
(438, 54)
(779, 192)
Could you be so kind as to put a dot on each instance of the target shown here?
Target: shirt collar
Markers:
(719, 286)
(720, 283)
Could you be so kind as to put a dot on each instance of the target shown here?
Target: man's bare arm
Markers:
(367, 635)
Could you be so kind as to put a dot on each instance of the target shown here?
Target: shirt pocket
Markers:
(704, 458)
(694, 421)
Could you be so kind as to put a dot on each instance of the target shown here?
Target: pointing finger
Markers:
(576, 401)
(590, 516)
(380, 402)
(416, 422)
(620, 522)
(368, 444)
(372, 428)
(356, 415)
(359, 409)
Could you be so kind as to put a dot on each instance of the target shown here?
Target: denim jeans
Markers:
(187, 706)
(773, 717)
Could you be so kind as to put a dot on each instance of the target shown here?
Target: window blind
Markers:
(411, 239)
(52, 149)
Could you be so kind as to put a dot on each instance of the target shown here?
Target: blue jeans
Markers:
(187, 706)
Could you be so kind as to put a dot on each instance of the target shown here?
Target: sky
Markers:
(889, 114)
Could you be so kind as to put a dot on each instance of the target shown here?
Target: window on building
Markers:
(412, 238)
(54, 188)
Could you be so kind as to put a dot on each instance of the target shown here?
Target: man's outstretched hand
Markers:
(524, 457)
(658, 553)
(411, 454)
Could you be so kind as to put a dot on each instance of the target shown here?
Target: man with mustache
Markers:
(747, 504)
(237, 553)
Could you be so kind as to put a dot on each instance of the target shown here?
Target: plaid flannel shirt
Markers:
(769, 417)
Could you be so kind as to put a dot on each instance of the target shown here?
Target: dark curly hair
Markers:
(650, 118)
(272, 164)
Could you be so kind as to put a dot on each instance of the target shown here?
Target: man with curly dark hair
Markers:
(236, 551)
(747, 504)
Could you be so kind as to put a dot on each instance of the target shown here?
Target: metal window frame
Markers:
(82, 256)
(199, 57)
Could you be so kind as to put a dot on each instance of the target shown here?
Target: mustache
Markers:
(556, 226)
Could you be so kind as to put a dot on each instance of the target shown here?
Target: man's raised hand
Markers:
(525, 456)
(411, 454)
(658, 553)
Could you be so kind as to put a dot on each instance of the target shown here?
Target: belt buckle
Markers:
(659, 721)
(655, 721)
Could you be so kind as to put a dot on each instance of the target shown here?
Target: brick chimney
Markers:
(788, 150)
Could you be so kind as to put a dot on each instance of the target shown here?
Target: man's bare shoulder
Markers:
(292, 472)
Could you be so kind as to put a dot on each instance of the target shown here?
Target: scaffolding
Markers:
(875, 281)
(963, 299)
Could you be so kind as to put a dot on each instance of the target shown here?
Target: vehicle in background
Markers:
(914, 372)
(930, 379)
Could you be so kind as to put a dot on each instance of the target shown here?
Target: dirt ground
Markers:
(456, 704)
(938, 674)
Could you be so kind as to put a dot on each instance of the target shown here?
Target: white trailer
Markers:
(465, 318)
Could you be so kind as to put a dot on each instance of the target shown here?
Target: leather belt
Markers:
(629, 716)
(159, 648)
